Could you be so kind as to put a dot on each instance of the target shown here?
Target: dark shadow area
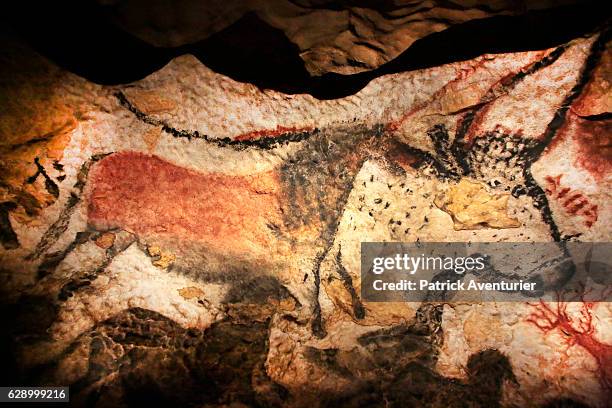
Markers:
(79, 37)
(24, 322)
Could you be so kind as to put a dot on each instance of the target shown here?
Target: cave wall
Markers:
(191, 239)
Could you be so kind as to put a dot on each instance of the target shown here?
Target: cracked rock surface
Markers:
(195, 241)
(344, 37)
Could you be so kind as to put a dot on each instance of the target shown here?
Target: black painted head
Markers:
(489, 367)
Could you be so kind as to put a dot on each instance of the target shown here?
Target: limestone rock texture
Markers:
(190, 240)
(344, 37)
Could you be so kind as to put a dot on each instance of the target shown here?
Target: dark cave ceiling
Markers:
(328, 49)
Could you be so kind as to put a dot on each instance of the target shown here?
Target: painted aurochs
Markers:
(190, 232)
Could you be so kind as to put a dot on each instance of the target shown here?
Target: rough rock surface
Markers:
(473, 207)
(344, 37)
(189, 232)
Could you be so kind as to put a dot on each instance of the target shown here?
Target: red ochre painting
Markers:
(185, 190)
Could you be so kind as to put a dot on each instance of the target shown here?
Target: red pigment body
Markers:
(265, 134)
(152, 197)
(579, 331)
(594, 139)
